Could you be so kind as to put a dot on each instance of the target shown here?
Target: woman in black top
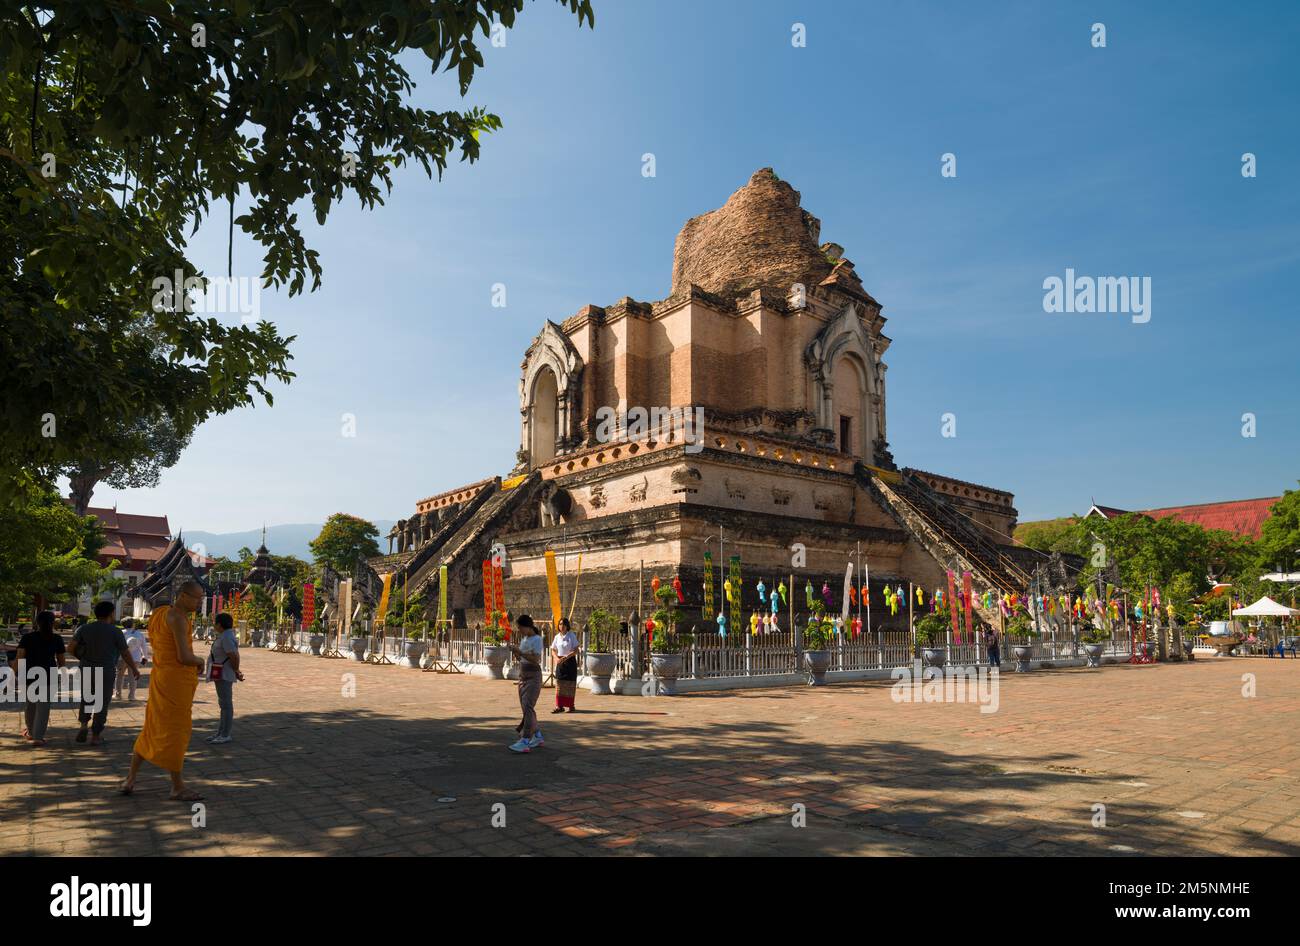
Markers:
(40, 648)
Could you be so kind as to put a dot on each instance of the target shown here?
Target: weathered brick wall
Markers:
(760, 237)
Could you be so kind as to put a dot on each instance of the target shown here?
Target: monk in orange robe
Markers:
(172, 682)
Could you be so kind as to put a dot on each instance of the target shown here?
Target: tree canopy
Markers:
(1279, 538)
(1145, 551)
(123, 123)
(343, 541)
(46, 551)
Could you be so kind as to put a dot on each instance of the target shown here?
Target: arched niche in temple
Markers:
(548, 396)
(544, 407)
(846, 388)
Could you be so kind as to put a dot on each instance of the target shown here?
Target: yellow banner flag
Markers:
(553, 585)
(383, 598)
(442, 594)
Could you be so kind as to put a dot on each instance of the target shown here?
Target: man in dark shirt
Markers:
(98, 645)
(41, 648)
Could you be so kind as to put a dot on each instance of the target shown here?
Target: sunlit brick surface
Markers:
(1182, 761)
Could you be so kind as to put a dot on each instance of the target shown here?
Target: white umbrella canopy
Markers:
(1266, 607)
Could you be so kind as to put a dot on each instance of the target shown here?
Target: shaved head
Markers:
(189, 595)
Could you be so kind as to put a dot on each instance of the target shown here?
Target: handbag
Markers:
(215, 669)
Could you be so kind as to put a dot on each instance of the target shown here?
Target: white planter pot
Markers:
(495, 656)
(600, 667)
(818, 662)
(1094, 654)
(414, 651)
(666, 668)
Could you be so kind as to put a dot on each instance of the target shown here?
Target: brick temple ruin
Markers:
(767, 334)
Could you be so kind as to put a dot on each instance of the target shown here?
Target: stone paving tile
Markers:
(1181, 761)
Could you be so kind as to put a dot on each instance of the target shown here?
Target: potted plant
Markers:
(667, 642)
(414, 646)
(817, 638)
(495, 652)
(1021, 626)
(317, 637)
(599, 661)
(930, 631)
(358, 642)
(1094, 642)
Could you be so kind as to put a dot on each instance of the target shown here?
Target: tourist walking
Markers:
(137, 644)
(994, 647)
(172, 682)
(529, 654)
(41, 647)
(98, 646)
(223, 671)
(564, 645)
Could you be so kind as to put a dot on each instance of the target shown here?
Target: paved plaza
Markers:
(414, 763)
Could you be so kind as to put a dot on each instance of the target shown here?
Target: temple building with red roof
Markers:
(135, 542)
(1244, 517)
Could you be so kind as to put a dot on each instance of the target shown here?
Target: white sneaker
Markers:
(220, 740)
(538, 741)
(523, 745)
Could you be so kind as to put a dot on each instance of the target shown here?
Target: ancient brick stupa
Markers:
(742, 414)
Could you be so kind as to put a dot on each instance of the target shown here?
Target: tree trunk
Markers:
(81, 488)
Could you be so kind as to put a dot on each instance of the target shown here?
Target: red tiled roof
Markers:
(107, 517)
(1110, 512)
(144, 525)
(1242, 516)
(145, 548)
(136, 541)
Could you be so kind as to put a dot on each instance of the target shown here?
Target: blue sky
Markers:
(1117, 161)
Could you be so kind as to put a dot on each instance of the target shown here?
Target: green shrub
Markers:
(931, 629)
(601, 628)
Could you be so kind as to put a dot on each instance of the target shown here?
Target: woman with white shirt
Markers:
(529, 654)
(565, 647)
(138, 645)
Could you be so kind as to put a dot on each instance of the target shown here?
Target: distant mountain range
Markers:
(288, 539)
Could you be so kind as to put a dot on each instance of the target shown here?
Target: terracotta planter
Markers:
(600, 667)
(818, 662)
